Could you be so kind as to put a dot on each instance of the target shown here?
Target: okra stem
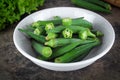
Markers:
(51, 36)
(83, 34)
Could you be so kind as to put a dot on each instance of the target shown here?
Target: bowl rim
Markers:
(65, 64)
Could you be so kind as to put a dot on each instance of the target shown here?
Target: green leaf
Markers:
(12, 10)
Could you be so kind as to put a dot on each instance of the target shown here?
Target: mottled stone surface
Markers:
(14, 66)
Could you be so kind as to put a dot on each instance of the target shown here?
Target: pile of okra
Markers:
(62, 40)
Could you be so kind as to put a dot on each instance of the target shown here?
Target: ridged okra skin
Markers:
(90, 6)
(60, 42)
(41, 49)
(100, 3)
(71, 55)
(39, 38)
(70, 46)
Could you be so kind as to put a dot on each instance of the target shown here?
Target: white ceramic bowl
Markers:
(99, 23)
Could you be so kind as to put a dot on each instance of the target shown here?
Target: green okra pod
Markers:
(69, 47)
(39, 38)
(71, 55)
(100, 3)
(82, 22)
(57, 29)
(81, 57)
(41, 49)
(57, 21)
(90, 6)
(60, 42)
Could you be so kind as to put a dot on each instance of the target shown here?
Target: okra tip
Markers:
(20, 29)
(57, 60)
(109, 7)
(98, 33)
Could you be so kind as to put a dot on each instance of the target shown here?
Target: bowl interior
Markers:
(99, 23)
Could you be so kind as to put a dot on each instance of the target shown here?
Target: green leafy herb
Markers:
(12, 10)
